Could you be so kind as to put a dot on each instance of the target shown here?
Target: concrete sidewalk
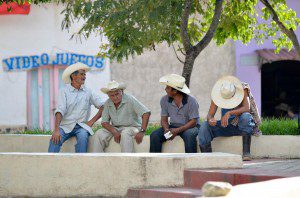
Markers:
(252, 171)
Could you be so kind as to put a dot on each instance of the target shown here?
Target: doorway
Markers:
(280, 85)
(43, 86)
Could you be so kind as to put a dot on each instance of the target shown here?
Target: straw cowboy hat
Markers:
(228, 92)
(113, 86)
(72, 68)
(175, 81)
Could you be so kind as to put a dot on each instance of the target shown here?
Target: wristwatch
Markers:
(142, 130)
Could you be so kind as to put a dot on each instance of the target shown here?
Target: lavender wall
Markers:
(247, 68)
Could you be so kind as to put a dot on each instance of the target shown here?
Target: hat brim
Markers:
(106, 90)
(164, 81)
(231, 102)
(72, 68)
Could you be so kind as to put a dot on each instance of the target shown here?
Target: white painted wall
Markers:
(34, 34)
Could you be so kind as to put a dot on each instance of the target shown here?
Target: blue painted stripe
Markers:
(46, 99)
(34, 99)
(61, 83)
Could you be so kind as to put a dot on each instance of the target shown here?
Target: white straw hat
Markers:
(228, 92)
(112, 86)
(176, 81)
(72, 68)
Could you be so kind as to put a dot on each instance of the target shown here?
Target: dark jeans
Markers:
(208, 133)
(189, 137)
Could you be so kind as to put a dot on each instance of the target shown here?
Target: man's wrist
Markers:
(142, 130)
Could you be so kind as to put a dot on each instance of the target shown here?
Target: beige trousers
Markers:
(103, 136)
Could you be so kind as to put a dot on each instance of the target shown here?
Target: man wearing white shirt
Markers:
(73, 110)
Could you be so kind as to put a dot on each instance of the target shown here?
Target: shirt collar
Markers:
(184, 99)
(72, 89)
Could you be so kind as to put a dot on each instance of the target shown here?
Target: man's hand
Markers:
(224, 119)
(175, 132)
(212, 122)
(117, 137)
(56, 137)
(139, 137)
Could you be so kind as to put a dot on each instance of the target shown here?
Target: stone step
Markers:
(196, 178)
(255, 171)
(164, 193)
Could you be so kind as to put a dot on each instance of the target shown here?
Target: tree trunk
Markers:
(193, 51)
(188, 66)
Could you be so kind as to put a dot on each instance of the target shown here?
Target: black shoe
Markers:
(246, 148)
(206, 148)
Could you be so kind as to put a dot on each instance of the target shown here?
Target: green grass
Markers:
(272, 126)
(279, 126)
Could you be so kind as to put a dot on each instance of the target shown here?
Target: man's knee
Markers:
(245, 119)
(191, 133)
(156, 135)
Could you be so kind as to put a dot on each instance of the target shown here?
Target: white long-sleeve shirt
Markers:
(75, 107)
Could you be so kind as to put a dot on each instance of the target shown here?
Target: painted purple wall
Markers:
(246, 69)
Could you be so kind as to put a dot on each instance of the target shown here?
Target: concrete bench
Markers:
(264, 146)
(99, 174)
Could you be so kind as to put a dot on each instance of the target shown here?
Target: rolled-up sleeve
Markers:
(105, 115)
(164, 109)
(193, 109)
(62, 103)
(96, 100)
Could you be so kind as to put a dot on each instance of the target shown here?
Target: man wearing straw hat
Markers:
(183, 111)
(124, 118)
(239, 114)
(73, 110)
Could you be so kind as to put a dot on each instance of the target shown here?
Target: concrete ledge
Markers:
(285, 146)
(44, 174)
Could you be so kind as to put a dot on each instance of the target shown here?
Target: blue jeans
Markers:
(208, 133)
(82, 137)
(189, 137)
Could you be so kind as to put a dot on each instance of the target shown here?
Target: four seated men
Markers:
(125, 118)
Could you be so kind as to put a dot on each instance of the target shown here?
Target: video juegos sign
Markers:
(20, 63)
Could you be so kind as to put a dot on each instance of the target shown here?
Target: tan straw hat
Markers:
(72, 68)
(112, 86)
(176, 81)
(228, 92)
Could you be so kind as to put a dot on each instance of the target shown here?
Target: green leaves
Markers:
(132, 26)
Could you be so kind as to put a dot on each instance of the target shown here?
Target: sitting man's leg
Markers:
(156, 139)
(82, 137)
(101, 140)
(246, 125)
(55, 148)
(189, 137)
(205, 137)
(127, 138)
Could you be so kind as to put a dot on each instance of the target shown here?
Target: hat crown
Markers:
(113, 85)
(177, 80)
(227, 90)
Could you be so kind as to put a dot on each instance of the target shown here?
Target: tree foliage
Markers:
(133, 26)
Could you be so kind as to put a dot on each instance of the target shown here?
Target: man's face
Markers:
(170, 91)
(115, 96)
(79, 77)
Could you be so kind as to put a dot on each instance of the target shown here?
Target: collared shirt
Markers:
(179, 116)
(75, 107)
(128, 113)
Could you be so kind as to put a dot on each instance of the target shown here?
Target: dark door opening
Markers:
(280, 89)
